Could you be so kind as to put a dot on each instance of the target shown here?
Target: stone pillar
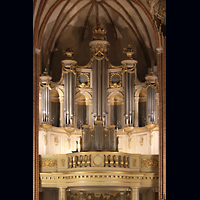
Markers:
(80, 195)
(136, 111)
(135, 193)
(122, 196)
(62, 193)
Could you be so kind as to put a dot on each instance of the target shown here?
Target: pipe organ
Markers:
(100, 98)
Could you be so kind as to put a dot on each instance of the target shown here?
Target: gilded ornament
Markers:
(45, 139)
(141, 140)
(62, 162)
(114, 84)
(48, 163)
(149, 163)
(99, 33)
(69, 52)
(83, 84)
(56, 140)
(128, 51)
(71, 69)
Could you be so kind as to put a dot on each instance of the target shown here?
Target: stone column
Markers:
(62, 193)
(121, 195)
(136, 111)
(135, 193)
(80, 195)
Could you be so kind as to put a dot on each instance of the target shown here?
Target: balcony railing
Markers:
(90, 161)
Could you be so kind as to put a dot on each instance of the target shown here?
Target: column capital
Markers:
(135, 187)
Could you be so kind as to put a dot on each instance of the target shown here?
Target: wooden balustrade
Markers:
(79, 161)
(118, 161)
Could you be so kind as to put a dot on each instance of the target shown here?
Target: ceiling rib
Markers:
(45, 21)
(34, 5)
(97, 14)
(134, 25)
(145, 27)
(149, 17)
(70, 20)
(111, 21)
(140, 42)
(86, 21)
(55, 30)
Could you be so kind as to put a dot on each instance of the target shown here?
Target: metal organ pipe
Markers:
(94, 89)
(99, 88)
(130, 96)
(151, 105)
(66, 102)
(73, 99)
(133, 99)
(126, 98)
(70, 98)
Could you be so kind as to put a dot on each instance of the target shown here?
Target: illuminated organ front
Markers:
(99, 106)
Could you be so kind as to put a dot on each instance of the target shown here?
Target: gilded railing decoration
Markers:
(116, 161)
(94, 160)
(147, 163)
(79, 161)
(97, 196)
(48, 163)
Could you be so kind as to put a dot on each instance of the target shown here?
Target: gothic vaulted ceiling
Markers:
(59, 24)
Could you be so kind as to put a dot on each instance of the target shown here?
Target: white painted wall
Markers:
(137, 143)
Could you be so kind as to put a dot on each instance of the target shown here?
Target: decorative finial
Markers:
(99, 33)
(69, 52)
(45, 73)
(128, 51)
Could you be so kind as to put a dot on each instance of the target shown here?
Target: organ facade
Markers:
(99, 117)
